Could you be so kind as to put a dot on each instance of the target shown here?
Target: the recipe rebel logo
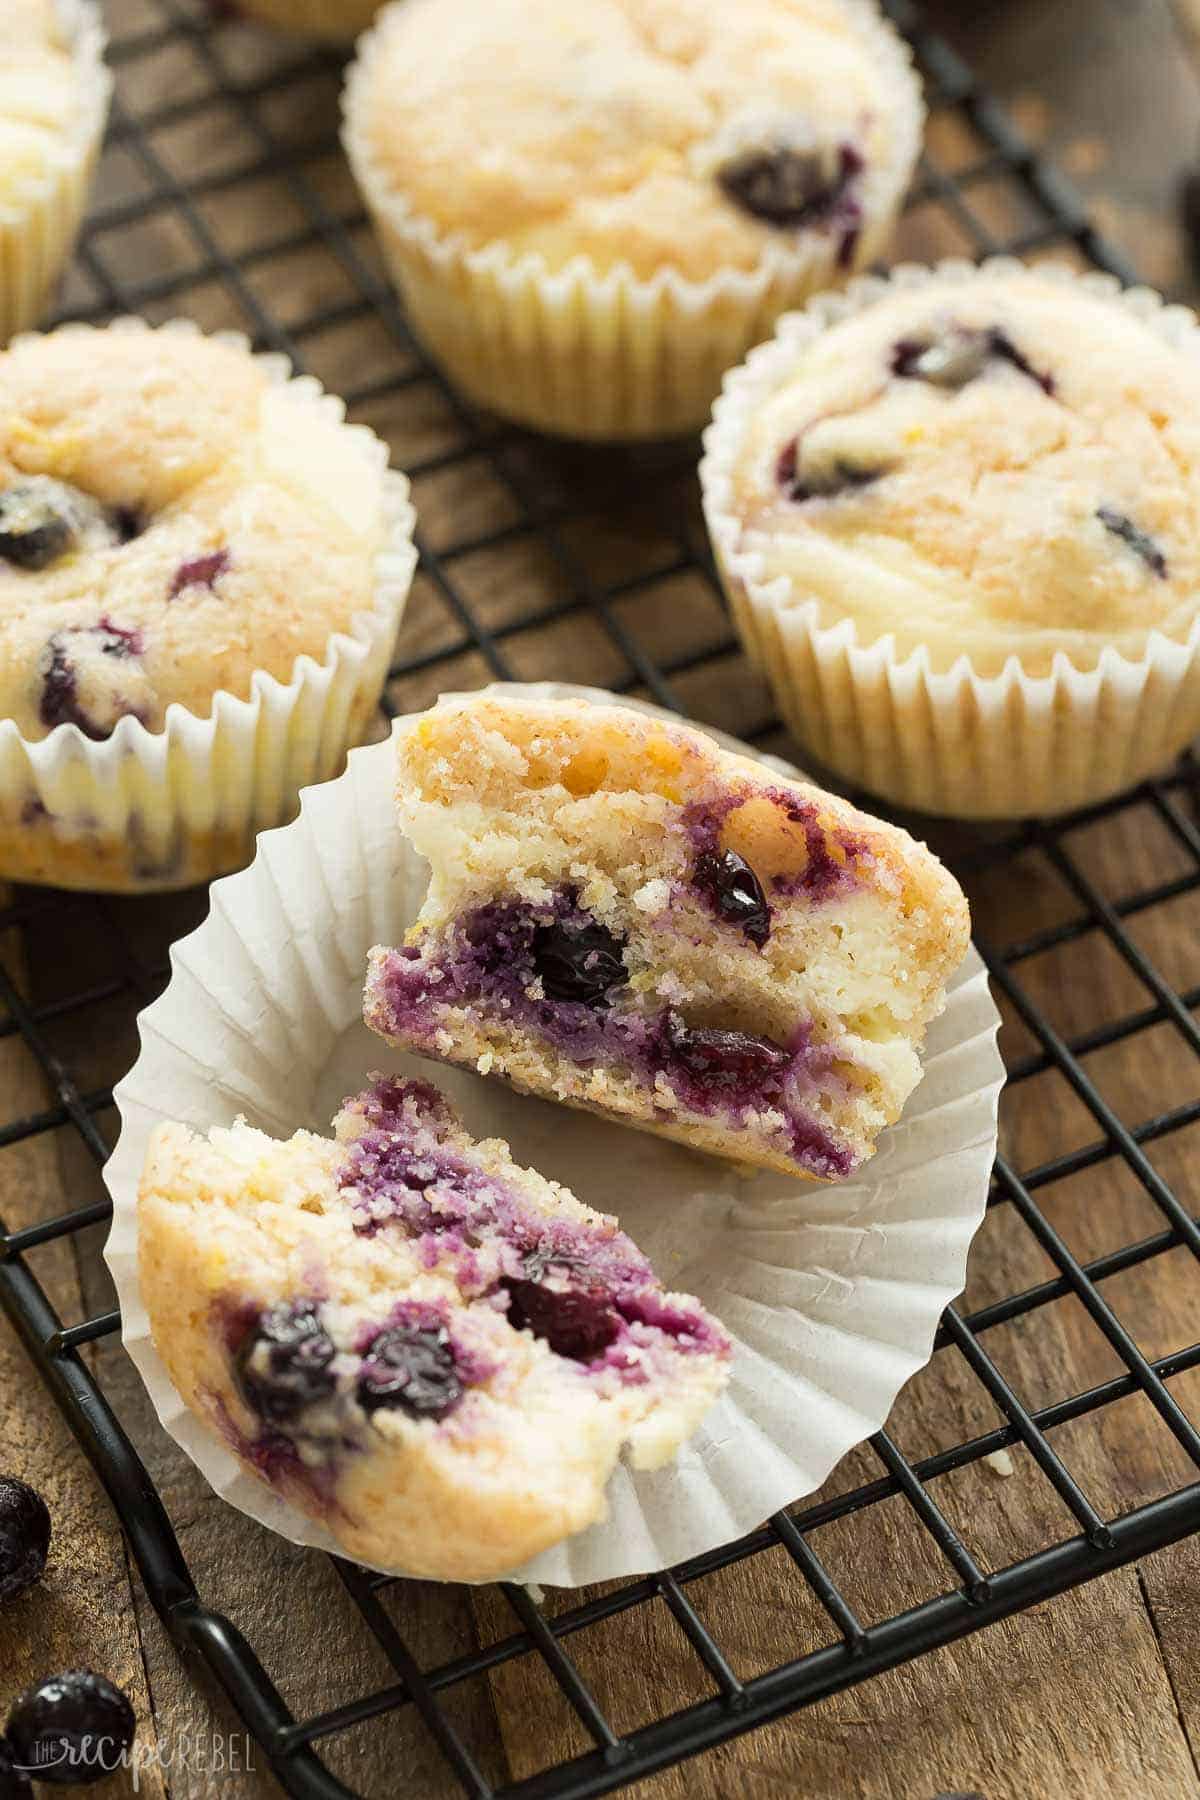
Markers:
(215, 1754)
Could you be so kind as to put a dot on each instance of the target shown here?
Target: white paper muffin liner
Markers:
(832, 1294)
(945, 741)
(39, 223)
(609, 355)
(145, 810)
(337, 21)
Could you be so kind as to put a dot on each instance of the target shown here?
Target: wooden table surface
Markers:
(1096, 1693)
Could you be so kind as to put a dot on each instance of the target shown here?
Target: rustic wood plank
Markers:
(81, 1613)
(1097, 1692)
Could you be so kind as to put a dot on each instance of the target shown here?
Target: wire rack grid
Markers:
(223, 196)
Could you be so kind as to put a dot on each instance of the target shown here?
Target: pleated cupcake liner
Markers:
(608, 355)
(144, 810)
(40, 221)
(944, 740)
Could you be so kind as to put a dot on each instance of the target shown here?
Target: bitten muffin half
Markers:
(957, 513)
(592, 209)
(201, 572)
(437, 1354)
(625, 917)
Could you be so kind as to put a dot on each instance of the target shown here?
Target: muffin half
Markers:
(436, 1353)
(625, 917)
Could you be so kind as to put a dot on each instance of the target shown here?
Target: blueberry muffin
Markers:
(337, 21)
(194, 553)
(434, 1352)
(660, 179)
(54, 95)
(957, 516)
(625, 917)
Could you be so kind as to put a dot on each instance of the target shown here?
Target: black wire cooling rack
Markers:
(232, 115)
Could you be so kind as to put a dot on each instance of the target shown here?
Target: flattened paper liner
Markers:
(831, 1294)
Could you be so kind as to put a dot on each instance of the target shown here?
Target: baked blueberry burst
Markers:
(794, 186)
(42, 521)
(438, 1353)
(624, 917)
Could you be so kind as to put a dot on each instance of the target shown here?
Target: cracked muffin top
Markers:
(1006, 465)
(172, 519)
(653, 133)
(39, 94)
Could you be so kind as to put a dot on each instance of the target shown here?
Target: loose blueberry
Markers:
(789, 187)
(821, 483)
(959, 356)
(734, 890)
(710, 1052)
(578, 959)
(24, 1536)
(282, 1363)
(579, 1323)
(14, 1783)
(34, 531)
(1139, 541)
(412, 1367)
(201, 571)
(71, 1728)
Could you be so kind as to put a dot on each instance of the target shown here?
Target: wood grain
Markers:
(1096, 1693)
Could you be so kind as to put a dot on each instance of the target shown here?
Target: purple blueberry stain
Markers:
(734, 892)
(1139, 541)
(825, 875)
(200, 572)
(485, 963)
(275, 1457)
(954, 358)
(579, 1286)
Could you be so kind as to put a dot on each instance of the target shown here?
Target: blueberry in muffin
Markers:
(436, 1353)
(956, 514)
(624, 917)
(662, 178)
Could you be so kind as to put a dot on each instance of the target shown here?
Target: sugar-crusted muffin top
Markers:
(1003, 465)
(657, 133)
(39, 93)
(171, 520)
